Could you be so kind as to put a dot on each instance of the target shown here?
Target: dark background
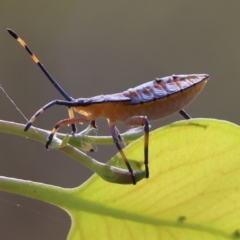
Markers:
(97, 47)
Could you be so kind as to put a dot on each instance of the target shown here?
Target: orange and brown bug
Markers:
(134, 107)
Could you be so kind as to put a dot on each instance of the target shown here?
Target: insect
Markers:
(134, 107)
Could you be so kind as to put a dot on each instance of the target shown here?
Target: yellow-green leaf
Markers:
(193, 191)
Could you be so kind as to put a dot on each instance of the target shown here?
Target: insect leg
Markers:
(115, 137)
(141, 121)
(41, 110)
(71, 115)
(64, 122)
(93, 124)
(120, 137)
(184, 114)
(48, 75)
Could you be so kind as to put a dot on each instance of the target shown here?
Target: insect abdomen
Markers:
(163, 87)
(165, 96)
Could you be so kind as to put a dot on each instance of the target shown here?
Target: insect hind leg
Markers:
(184, 114)
(142, 121)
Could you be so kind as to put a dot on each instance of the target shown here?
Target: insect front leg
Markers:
(71, 115)
(48, 105)
(141, 121)
(65, 122)
(115, 135)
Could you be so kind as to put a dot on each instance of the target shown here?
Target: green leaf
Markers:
(193, 191)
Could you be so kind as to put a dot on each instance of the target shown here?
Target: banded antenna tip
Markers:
(12, 33)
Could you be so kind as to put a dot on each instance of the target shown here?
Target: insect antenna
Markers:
(35, 59)
(51, 79)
